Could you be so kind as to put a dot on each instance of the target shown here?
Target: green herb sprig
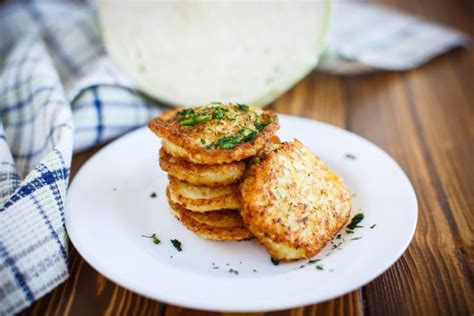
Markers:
(260, 125)
(243, 107)
(218, 112)
(196, 120)
(154, 238)
(245, 135)
(355, 221)
(177, 244)
(189, 117)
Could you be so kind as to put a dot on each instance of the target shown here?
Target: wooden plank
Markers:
(431, 109)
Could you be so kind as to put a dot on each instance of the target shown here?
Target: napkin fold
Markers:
(60, 93)
(365, 37)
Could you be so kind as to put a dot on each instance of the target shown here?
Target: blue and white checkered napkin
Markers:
(59, 93)
(366, 37)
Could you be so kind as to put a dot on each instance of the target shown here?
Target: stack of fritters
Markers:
(232, 179)
(205, 151)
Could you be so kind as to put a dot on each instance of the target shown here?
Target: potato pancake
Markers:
(292, 202)
(208, 175)
(220, 225)
(216, 133)
(202, 198)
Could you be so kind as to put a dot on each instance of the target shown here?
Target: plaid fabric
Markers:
(366, 37)
(56, 85)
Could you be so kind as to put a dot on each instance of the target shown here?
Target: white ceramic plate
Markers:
(110, 207)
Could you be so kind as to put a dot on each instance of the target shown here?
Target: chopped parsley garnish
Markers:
(302, 266)
(203, 141)
(154, 238)
(319, 267)
(260, 125)
(218, 112)
(177, 244)
(233, 271)
(189, 117)
(243, 107)
(350, 156)
(275, 261)
(185, 114)
(355, 221)
(313, 261)
(248, 134)
(153, 195)
(338, 236)
(356, 238)
(196, 120)
(348, 231)
(372, 227)
(228, 142)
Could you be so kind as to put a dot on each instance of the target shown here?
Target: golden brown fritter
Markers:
(223, 218)
(215, 133)
(221, 225)
(292, 202)
(208, 175)
(202, 198)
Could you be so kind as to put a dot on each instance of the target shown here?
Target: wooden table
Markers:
(425, 120)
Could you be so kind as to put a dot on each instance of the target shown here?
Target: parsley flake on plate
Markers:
(350, 156)
(355, 221)
(177, 244)
(154, 238)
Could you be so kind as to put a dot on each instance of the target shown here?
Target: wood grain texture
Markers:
(424, 119)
